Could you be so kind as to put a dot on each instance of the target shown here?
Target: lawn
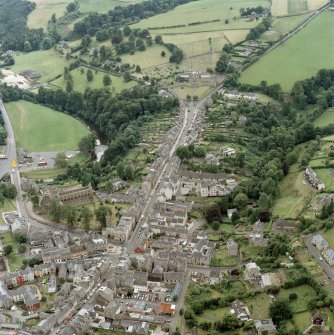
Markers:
(81, 83)
(302, 320)
(325, 118)
(149, 58)
(220, 258)
(38, 128)
(47, 62)
(305, 294)
(251, 252)
(213, 315)
(299, 57)
(327, 177)
(15, 261)
(184, 91)
(295, 192)
(43, 173)
(7, 206)
(258, 306)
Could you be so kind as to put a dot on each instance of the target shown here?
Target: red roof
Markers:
(139, 250)
(166, 309)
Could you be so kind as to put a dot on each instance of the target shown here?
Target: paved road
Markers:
(315, 253)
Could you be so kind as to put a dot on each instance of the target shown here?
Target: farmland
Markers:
(294, 7)
(39, 128)
(103, 6)
(80, 82)
(289, 62)
(47, 62)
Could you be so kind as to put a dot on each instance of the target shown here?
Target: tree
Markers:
(293, 296)
(53, 18)
(101, 215)
(27, 46)
(106, 80)
(158, 39)
(71, 7)
(70, 214)
(22, 248)
(138, 69)
(69, 86)
(163, 53)
(240, 200)
(213, 213)
(86, 215)
(87, 144)
(235, 217)
(127, 76)
(89, 75)
(60, 160)
(55, 211)
(280, 311)
(7, 249)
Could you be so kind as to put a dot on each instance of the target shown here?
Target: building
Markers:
(252, 272)
(319, 242)
(232, 248)
(329, 256)
(227, 151)
(165, 309)
(239, 310)
(264, 326)
(122, 231)
(313, 179)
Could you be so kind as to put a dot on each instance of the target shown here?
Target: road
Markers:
(315, 253)
(189, 119)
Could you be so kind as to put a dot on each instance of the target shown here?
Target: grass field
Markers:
(325, 118)
(327, 177)
(305, 293)
(183, 92)
(47, 62)
(103, 6)
(295, 193)
(149, 58)
(285, 24)
(279, 7)
(299, 57)
(258, 306)
(81, 83)
(297, 6)
(221, 258)
(39, 128)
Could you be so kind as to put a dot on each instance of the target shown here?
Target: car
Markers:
(321, 259)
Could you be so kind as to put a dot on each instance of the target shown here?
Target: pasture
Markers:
(47, 62)
(285, 24)
(38, 128)
(103, 6)
(80, 82)
(40, 16)
(325, 118)
(149, 58)
(298, 58)
(294, 192)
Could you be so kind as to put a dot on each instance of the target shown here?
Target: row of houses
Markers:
(313, 179)
(323, 247)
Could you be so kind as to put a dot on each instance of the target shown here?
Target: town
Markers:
(166, 167)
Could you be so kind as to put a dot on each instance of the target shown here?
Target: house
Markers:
(239, 310)
(227, 151)
(211, 159)
(329, 256)
(252, 272)
(264, 326)
(232, 248)
(173, 277)
(165, 309)
(313, 179)
(242, 119)
(283, 226)
(319, 242)
(258, 240)
(118, 184)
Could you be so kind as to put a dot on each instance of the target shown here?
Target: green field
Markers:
(285, 24)
(295, 192)
(47, 62)
(103, 6)
(39, 128)
(304, 292)
(81, 83)
(325, 118)
(299, 57)
(328, 235)
(149, 58)
(221, 258)
(327, 177)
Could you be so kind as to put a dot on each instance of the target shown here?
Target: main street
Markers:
(189, 120)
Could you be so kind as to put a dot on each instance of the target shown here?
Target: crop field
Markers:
(47, 62)
(279, 7)
(80, 82)
(299, 57)
(315, 4)
(297, 6)
(325, 118)
(39, 128)
(149, 58)
(285, 24)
